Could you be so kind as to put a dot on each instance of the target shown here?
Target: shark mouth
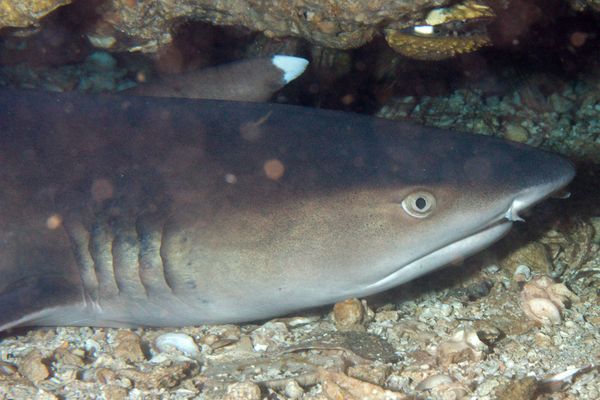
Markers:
(443, 256)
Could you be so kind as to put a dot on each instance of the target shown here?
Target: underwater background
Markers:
(522, 70)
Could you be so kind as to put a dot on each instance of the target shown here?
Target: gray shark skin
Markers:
(136, 211)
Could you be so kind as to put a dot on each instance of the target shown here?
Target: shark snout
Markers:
(551, 176)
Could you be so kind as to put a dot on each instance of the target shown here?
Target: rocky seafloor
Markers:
(520, 320)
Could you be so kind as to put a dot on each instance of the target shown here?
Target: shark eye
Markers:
(419, 204)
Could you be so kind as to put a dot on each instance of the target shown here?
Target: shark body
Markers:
(135, 211)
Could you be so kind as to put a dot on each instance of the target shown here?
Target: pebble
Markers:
(33, 367)
(522, 273)
(491, 269)
(376, 374)
(114, 392)
(92, 346)
(522, 389)
(543, 340)
(243, 391)
(387, 315)
(534, 255)
(102, 60)
(516, 133)
(7, 369)
(595, 222)
(293, 390)
(104, 376)
(64, 356)
(348, 315)
(269, 336)
(129, 347)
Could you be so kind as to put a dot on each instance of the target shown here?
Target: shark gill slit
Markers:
(163, 258)
(126, 261)
(80, 241)
(101, 251)
(151, 264)
(125, 257)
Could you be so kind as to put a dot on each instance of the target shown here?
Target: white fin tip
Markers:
(292, 67)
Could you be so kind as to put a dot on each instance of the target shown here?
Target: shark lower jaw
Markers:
(443, 256)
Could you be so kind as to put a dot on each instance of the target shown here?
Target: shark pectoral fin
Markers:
(248, 80)
(31, 300)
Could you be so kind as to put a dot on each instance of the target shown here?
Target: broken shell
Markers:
(168, 342)
(542, 300)
(464, 345)
(543, 310)
(432, 381)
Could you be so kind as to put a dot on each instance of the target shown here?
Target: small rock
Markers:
(101, 60)
(478, 290)
(269, 336)
(387, 315)
(349, 315)
(340, 386)
(376, 374)
(516, 133)
(491, 269)
(64, 356)
(166, 375)
(114, 392)
(595, 222)
(105, 376)
(522, 389)
(487, 332)
(7, 369)
(522, 273)
(293, 390)
(33, 367)
(129, 347)
(243, 391)
(43, 395)
(534, 255)
(543, 340)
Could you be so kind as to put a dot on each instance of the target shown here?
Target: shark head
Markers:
(440, 197)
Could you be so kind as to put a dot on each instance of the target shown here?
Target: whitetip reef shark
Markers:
(128, 211)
